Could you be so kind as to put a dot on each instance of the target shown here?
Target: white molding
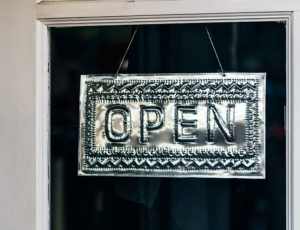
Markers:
(91, 9)
(42, 128)
(166, 19)
(295, 131)
(289, 125)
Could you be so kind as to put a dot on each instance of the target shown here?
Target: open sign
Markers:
(158, 125)
(173, 125)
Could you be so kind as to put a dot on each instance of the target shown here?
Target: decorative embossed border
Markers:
(185, 88)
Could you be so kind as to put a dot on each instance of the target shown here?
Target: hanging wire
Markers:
(121, 63)
(215, 51)
(136, 29)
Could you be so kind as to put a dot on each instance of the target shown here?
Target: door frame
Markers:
(92, 13)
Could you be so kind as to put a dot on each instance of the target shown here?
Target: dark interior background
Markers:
(104, 203)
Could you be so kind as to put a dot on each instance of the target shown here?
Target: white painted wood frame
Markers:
(18, 176)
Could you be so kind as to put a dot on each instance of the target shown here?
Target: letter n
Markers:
(226, 128)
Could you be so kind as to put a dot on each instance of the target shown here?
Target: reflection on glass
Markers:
(153, 203)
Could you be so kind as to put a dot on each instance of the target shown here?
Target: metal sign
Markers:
(173, 125)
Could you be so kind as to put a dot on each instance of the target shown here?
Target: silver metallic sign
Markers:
(173, 125)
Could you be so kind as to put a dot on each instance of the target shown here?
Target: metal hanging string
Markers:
(136, 29)
(121, 63)
(212, 44)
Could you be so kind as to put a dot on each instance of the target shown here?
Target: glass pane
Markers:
(163, 203)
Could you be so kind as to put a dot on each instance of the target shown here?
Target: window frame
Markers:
(96, 13)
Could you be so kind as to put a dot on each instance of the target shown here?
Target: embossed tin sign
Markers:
(173, 125)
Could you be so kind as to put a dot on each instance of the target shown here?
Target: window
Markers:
(164, 203)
